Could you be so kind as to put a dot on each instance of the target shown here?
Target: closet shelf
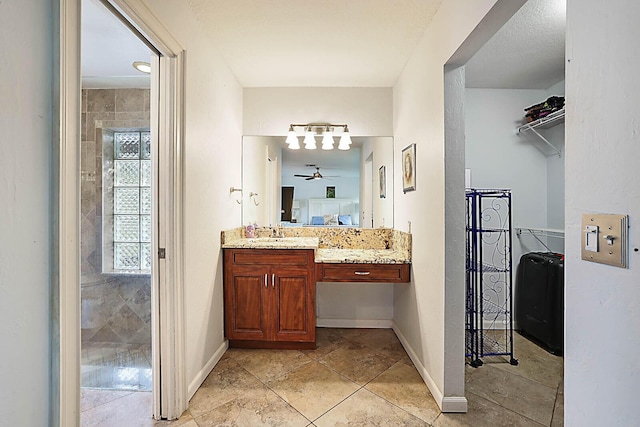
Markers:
(548, 232)
(553, 119)
(545, 232)
(489, 230)
(486, 268)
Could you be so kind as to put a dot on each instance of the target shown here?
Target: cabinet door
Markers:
(293, 306)
(245, 306)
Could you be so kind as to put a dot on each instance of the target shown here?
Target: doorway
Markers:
(481, 135)
(166, 96)
(116, 208)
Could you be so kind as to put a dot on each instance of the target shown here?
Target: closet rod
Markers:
(549, 232)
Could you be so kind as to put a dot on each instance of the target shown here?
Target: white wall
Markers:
(500, 158)
(255, 178)
(420, 307)
(25, 210)
(354, 304)
(602, 175)
(212, 159)
(270, 111)
(381, 151)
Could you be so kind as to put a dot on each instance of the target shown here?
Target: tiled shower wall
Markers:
(115, 308)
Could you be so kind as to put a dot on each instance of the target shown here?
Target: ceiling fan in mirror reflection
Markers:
(315, 175)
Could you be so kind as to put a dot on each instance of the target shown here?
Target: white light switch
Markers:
(591, 238)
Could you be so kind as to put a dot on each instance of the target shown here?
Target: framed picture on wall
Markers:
(331, 192)
(409, 168)
(382, 176)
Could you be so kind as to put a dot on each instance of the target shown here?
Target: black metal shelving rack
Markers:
(489, 307)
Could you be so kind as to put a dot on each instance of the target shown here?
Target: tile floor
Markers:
(118, 366)
(358, 377)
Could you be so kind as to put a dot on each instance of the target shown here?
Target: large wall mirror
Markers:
(317, 187)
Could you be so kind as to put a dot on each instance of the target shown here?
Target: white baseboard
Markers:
(498, 325)
(454, 404)
(446, 404)
(354, 323)
(206, 369)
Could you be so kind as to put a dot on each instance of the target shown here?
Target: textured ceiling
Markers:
(354, 43)
(526, 53)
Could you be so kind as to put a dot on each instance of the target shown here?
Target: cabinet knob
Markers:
(266, 283)
(362, 273)
(273, 280)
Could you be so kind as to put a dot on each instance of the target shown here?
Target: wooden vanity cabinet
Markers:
(371, 273)
(269, 298)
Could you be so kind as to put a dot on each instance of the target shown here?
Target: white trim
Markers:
(446, 404)
(65, 334)
(154, 101)
(495, 325)
(454, 404)
(170, 196)
(354, 323)
(140, 17)
(169, 398)
(206, 369)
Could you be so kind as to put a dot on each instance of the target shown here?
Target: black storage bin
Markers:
(539, 299)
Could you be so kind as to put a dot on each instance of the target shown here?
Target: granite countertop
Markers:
(331, 245)
(361, 256)
(273, 243)
(323, 255)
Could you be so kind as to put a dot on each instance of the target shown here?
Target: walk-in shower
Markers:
(116, 239)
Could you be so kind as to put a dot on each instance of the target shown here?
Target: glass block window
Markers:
(132, 201)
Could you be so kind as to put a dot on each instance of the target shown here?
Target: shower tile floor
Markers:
(116, 366)
(355, 377)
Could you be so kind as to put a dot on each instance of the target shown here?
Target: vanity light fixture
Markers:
(309, 139)
(292, 139)
(327, 139)
(326, 130)
(143, 67)
(345, 140)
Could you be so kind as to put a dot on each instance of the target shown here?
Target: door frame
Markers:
(169, 390)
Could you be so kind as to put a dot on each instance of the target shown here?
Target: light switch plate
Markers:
(591, 238)
(612, 233)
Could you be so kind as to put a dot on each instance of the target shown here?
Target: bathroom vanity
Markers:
(269, 298)
(270, 282)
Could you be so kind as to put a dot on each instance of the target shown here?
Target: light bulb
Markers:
(327, 139)
(295, 145)
(292, 139)
(345, 140)
(309, 140)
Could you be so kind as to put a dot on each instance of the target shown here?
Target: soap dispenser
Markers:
(250, 231)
